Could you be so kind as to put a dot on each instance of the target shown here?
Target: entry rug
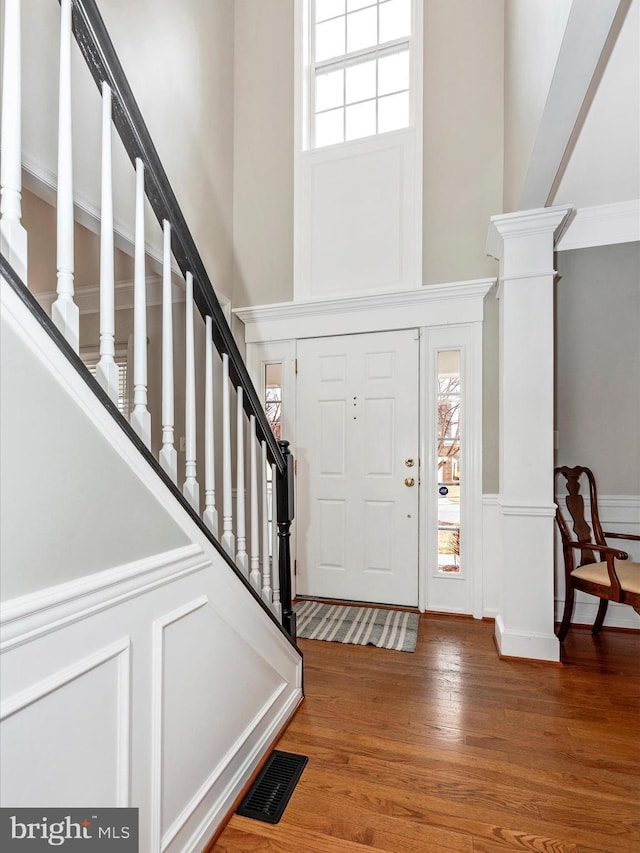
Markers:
(363, 626)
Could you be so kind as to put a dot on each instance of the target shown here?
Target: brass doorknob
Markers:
(409, 481)
(408, 463)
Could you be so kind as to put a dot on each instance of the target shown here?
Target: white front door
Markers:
(357, 450)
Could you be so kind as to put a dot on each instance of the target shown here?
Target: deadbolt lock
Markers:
(408, 463)
(409, 481)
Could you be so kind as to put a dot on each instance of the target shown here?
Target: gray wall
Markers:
(598, 364)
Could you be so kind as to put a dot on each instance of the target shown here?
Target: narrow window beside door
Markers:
(448, 452)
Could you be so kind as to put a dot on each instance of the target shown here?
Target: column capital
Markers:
(525, 223)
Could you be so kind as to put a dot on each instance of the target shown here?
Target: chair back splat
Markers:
(599, 569)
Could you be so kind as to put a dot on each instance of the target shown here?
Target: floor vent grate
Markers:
(267, 798)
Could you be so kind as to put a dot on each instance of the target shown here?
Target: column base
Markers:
(514, 644)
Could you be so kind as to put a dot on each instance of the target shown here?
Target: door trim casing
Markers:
(456, 306)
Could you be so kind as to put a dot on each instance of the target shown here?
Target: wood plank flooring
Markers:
(451, 750)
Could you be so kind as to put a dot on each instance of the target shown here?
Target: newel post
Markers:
(285, 506)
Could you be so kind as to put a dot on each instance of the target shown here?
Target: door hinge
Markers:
(295, 567)
(295, 466)
(296, 365)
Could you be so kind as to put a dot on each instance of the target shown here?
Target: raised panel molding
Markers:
(120, 651)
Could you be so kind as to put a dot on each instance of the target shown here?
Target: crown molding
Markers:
(602, 225)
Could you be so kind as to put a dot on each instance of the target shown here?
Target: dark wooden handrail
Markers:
(100, 55)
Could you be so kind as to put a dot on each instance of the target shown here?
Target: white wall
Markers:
(129, 631)
(179, 61)
(61, 479)
(533, 35)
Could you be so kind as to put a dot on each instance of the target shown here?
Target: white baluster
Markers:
(275, 569)
(64, 311)
(228, 539)
(107, 369)
(254, 577)
(168, 456)
(13, 237)
(140, 416)
(242, 559)
(190, 489)
(210, 515)
(266, 568)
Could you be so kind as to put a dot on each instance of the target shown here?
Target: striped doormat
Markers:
(363, 626)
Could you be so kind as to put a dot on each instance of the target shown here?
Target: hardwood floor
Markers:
(451, 750)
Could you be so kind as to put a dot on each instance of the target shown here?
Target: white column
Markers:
(140, 416)
(107, 369)
(523, 242)
(190, 489)
(275, 568)
(13, 237)
(267, 594)
(210, 515)
(168, 457)
(64, 311)
(254, 576)
(228, 539)
(242, 558)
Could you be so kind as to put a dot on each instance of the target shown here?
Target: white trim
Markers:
(524, 223)
(525, 508)
(528, 646)
(40, 613)
(437, 305)
(121, 650)
(603, 225)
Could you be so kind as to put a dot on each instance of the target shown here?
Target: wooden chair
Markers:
(607, 576)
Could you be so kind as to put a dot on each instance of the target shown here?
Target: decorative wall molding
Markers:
(603, 225)
(436, 305)
(31, 616)
(121, 652)
(524, 223)
(525, 508)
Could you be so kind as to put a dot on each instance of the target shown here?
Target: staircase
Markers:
(148, 639)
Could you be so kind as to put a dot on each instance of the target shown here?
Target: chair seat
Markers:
(628, 574)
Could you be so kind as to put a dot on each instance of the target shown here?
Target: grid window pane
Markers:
(393, 112)
(330, 39)
(395, 19)
(329, 9)
(393, 73)
(330, 127)
(330, 90)
(361, 81)
(361, 120)
(362, 29)
(353, 5)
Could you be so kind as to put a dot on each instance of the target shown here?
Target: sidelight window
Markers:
(449, 393)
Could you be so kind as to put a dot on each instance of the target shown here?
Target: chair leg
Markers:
(602, 612)
(566, 616)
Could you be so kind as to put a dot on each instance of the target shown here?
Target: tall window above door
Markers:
(360, 68)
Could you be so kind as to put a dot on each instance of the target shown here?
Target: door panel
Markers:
(357, 422)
